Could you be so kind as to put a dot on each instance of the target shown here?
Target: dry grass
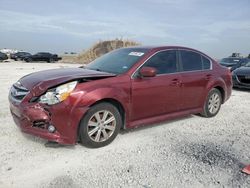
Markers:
(98, 49)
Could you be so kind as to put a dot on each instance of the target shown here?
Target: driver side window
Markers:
(164, 62)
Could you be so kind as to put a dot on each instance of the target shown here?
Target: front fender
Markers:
(98, 94)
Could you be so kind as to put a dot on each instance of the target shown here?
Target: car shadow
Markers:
(45, 142)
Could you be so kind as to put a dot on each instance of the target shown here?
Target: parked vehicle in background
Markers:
(125, 88)
(235, 54)
(43, 56)
(232, 62)
(3, 56)
(20, 55)
(241, 76)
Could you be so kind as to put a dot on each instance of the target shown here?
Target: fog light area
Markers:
(51, 128)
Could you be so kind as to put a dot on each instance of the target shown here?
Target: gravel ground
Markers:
(188, 152)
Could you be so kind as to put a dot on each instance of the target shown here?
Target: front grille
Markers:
(244, 79)
(18, 92)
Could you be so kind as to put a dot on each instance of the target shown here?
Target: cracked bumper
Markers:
(63, 117)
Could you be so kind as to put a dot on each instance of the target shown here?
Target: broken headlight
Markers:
(58, 94)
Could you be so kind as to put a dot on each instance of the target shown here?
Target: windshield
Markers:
(230, 60)
(248, 64)
(118, 61)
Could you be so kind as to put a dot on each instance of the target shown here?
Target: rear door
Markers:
(45, 57)
(37, 57)
(157, 95)
(195, 74)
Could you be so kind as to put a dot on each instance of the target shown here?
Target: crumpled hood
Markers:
(243, 71)
(39, 82)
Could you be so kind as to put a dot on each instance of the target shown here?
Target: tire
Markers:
(213, 103)
(94, 133)
(51, 60)
(28, 60)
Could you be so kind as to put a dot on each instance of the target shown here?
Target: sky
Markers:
(216, 27)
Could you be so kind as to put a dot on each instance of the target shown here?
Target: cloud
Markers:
(15, 21)
(192, 23)
(111, 26)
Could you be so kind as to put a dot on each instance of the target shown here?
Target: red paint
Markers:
(246, 170)
(144, 100)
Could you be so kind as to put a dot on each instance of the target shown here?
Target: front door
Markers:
(153, 96)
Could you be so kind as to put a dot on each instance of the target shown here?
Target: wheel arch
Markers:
(222, 91)
(112, 101)
(117, 104)
(219, 84)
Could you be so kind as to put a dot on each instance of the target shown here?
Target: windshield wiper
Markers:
(95, 69)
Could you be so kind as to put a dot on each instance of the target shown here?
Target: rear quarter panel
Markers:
(221, 78)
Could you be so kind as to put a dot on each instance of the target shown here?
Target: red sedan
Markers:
(125, 88)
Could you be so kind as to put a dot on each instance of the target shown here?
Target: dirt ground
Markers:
(188, 152)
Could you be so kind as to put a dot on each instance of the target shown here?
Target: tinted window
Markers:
(230, 60)
(163, 62)
(191, 61)
(43, 54)
(206, 63)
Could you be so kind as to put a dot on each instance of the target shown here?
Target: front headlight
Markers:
(58, 94)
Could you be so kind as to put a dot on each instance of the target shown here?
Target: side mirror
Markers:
(147, 72)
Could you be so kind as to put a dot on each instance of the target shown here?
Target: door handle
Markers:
(176, 82)
(208, 77)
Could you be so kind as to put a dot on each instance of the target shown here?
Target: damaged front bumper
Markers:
(37, 119)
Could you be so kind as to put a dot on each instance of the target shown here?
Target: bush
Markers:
(103, 47)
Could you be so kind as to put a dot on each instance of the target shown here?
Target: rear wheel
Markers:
(28, 60)
(100, 125)
(213, 103)
(51, 60)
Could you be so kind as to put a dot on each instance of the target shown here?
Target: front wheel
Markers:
(100, 125)
(213, 103)
(28, 60)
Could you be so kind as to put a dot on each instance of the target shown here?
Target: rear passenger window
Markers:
(164, 62)
(191, 61)
(206, 63)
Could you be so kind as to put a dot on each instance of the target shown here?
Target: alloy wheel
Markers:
(101, 126)
(214, 103)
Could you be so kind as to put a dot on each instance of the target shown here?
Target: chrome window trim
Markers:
(176, 49)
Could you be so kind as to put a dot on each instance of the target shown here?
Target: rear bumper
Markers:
(34, 119)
